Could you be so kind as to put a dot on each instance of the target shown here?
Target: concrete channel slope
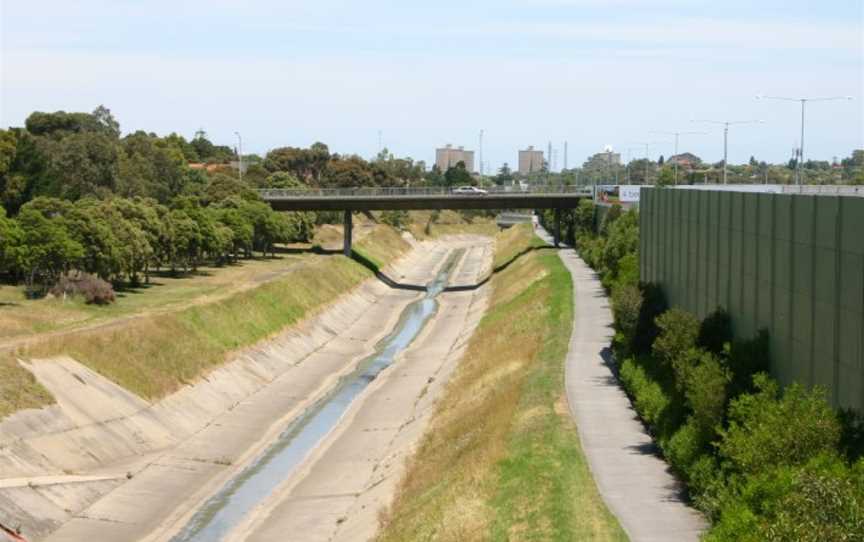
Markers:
(64, 468)
(339, 491)
(634, 481)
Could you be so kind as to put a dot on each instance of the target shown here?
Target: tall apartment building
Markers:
(530, 161)
(448, 157)
(605, 158)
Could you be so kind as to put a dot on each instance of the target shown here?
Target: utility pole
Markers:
(647, 145)
(803, 101)
(239, 155)
(549, 157)
(726, 125)
(629, 159)
(677, 135)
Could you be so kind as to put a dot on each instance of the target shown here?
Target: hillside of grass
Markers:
(154, 355)
(431, 224)
(501, 459)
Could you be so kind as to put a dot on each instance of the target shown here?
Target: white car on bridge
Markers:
(468, 191)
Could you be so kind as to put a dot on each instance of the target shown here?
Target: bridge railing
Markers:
(396, 192)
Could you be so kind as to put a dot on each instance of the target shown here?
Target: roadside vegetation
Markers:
(763, 462)
(501, 459)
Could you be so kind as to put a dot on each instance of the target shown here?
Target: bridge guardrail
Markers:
(366, 192)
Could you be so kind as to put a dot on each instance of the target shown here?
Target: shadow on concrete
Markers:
(371, 266)
(380, 275)
(498, 269)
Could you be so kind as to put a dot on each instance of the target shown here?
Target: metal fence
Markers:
(791, 264)
(396, 192)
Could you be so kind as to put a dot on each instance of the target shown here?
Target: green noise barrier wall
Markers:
(790, 264)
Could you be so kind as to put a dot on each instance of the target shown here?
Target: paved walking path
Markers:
(635, 483)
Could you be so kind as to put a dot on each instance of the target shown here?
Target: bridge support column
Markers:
(348, 224)
(556, 235)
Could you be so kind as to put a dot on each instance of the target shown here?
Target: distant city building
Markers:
(448, 157)
(685, 160)
(606, 158)
(530, 161)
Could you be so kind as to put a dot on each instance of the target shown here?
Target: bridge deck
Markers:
(373, 199)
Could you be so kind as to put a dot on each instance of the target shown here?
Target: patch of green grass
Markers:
(545, 490)
(501, 459)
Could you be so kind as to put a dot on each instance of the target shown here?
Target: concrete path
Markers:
(635, 483)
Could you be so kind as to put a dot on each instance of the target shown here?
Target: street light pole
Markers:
(677, 135)
(647, 153)
(726, 124)
(239, 155)
(803, 101)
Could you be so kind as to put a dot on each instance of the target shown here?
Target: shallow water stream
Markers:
(222, 512)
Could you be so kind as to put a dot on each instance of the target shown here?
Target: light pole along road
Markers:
(726, 125)
(803, 104)
(677, 135)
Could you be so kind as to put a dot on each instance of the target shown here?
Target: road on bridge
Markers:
(555, 197)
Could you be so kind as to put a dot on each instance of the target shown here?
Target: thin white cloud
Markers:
(684, 32)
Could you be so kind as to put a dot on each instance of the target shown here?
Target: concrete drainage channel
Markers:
(230, 505)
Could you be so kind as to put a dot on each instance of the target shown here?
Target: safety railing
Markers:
(403, 192)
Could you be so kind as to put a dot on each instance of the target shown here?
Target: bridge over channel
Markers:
(348, 200)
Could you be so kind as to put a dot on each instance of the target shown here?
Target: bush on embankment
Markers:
(501, 458)
(763, 462)
(154, 355)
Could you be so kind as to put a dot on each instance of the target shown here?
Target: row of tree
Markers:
(78, 197)
(76, 155)
(123, 240)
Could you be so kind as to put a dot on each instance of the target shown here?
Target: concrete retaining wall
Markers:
(791, 264)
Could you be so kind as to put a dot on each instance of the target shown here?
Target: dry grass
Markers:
(449, 223)
(382, 244)
(20, 317)
(153, 356)
(19, 389)
(501, 459)
(155, 353)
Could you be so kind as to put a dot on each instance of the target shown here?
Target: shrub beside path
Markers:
(635, 482)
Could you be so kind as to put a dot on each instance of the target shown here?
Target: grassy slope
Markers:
(154, 355)
(449, 222)
(501, 459)
(20, 317)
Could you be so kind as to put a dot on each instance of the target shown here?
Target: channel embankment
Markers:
(105, 464)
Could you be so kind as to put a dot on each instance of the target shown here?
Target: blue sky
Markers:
(592, 72)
